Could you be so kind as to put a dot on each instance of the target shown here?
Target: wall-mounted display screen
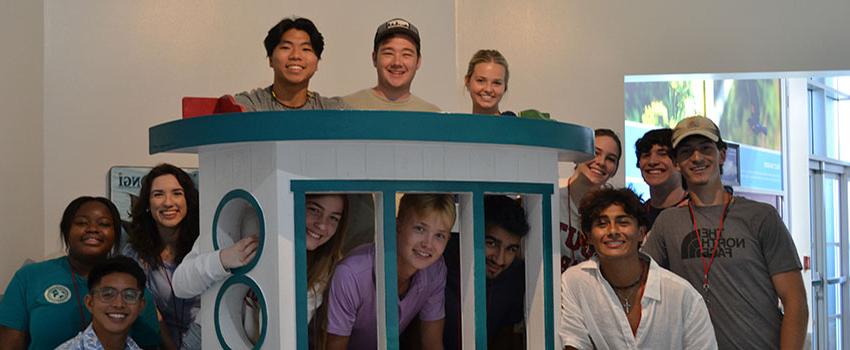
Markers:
(746, 111)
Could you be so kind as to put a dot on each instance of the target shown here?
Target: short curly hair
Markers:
(595, 202)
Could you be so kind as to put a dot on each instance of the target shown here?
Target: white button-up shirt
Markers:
(673, 314)
(88, 340)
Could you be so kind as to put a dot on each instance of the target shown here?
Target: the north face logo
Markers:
(725, 245)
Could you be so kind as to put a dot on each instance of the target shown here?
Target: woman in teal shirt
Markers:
(43, 304)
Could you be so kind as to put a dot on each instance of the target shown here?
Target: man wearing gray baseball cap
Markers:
(396, 56)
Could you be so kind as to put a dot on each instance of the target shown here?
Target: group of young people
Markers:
(294, 48)
(696, 268)
(111, 291)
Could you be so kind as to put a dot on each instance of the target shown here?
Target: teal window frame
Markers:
(389, 189)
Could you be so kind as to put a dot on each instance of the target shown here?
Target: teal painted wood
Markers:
(246, 196)
(479, 278)
(548, 305)
(420, 186)
(264, 310)
(574, 142)
(389, 188)
(300, 240)
(390, 272)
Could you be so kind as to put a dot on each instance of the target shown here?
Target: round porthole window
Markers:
(238, 216)
(241, 314)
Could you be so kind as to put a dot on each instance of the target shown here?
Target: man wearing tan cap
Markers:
(396, 56)
(735, 251)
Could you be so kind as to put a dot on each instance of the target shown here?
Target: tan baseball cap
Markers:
(695, 125)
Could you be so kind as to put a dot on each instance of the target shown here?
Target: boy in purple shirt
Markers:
(423, 225)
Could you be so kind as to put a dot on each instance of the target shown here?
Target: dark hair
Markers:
(610, 133)
(144, 236)
(662, 137)
(595, 202)
(317, 41)
(506, 213)
(117, 264)
(71, 211)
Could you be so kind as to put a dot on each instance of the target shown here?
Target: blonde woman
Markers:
(487, 81)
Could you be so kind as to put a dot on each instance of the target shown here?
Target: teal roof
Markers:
(573, 142)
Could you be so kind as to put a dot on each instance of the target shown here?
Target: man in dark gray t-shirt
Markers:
(736, 252)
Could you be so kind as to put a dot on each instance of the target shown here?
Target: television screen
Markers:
(731, 176)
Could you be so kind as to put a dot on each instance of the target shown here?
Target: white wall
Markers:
(21, 140)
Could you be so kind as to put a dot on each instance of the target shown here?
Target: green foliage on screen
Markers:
(663, 103)
(748, 111)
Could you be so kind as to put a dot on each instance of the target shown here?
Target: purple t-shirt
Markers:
(351, 303)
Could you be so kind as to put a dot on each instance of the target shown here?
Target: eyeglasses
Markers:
(107, 294)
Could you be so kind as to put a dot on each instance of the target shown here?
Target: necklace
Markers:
(630, 285)
(625, 301)
(274, 95)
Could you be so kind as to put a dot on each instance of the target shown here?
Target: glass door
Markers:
(829, 244)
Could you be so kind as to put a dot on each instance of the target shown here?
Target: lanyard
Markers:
(178, 313)
(83, 322)
(707, 267)
(570, 222)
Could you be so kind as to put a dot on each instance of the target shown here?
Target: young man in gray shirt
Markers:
(294, 47)
(735, 251)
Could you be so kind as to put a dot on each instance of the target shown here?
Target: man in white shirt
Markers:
(620, 298)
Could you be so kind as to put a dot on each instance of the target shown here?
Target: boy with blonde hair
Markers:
(423, 226)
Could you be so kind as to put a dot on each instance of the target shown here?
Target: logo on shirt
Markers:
(57, 294)
(726, 246)
(576, 244)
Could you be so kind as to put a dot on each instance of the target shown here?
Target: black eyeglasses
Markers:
(107, 294)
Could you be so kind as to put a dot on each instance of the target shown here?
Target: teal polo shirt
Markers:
(41, 301)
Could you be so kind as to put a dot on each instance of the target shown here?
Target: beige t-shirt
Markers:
(367, 99)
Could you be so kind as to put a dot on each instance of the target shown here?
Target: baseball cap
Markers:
(396, 26)
(695, 125)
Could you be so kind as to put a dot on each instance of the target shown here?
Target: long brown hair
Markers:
(144, 235)
(320, 268)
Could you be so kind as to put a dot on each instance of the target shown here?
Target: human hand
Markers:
(240, 253)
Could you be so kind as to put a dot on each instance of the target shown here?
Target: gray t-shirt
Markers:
(754, 245)
(261, 100)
